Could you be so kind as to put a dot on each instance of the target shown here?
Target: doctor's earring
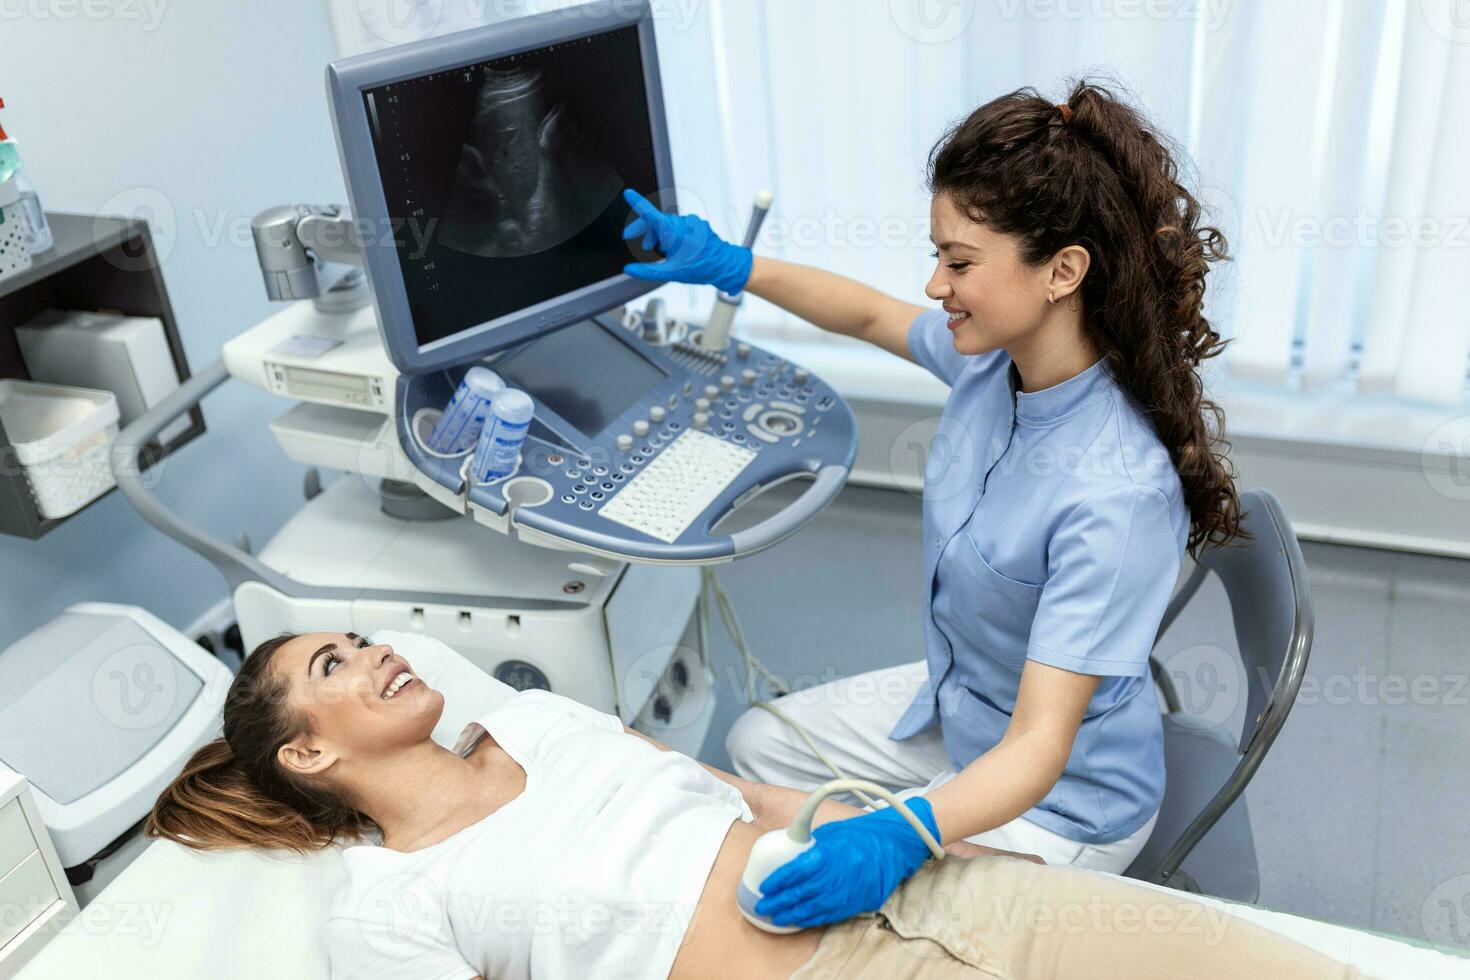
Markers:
(1051, 298)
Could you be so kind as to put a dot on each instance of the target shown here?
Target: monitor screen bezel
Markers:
(350, 78)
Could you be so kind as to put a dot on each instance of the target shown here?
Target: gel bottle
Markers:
(499, 449)
(467, 413)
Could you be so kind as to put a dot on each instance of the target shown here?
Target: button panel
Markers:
(640, 472)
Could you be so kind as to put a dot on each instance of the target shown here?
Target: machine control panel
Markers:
(698, 433)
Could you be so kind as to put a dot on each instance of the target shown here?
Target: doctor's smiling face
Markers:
(993, 298)
(358, 699)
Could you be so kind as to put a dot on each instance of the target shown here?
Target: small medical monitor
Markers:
(487, 170)
(586, 375)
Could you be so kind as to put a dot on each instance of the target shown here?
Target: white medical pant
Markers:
(849, 720)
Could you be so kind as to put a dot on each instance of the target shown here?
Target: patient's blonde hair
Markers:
(233, 791)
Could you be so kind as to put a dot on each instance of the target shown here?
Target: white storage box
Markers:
(61, 436)
(126, 355)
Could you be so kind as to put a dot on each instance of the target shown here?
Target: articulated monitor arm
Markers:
(295, 241)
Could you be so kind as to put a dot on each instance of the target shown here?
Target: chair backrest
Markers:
(1265, 579)
(1200, 760)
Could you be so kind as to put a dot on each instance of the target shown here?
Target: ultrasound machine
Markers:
(484, 173)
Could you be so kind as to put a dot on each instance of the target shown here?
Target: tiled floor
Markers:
(1358, 811)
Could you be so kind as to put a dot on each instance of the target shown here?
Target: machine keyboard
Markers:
(678, 485)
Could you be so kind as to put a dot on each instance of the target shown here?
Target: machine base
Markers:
(621, 638)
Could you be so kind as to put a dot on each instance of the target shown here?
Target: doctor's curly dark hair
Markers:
(1093, 172)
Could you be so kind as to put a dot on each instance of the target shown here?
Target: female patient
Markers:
(552, 842)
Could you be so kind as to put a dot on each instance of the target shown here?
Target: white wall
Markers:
(205, 112)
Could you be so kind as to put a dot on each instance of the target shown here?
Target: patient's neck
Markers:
(422, 793)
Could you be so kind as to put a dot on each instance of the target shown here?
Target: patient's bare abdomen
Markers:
(527, 179)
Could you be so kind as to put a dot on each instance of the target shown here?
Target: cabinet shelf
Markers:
(98, 263)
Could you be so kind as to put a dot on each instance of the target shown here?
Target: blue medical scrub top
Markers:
(1054, 528)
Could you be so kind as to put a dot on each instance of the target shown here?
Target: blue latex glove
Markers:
(693, 253)
(852, 868)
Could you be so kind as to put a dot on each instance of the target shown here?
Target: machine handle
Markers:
(235, 565)
(829, 481)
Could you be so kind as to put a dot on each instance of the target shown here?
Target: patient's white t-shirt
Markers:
(593, 871)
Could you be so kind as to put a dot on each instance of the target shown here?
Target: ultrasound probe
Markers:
(716, 335)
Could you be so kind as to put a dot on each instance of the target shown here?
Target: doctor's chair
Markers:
(1202, 841)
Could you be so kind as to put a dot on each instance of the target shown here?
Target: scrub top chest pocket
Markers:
(981, 609)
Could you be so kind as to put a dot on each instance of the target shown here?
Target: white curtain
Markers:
(1417, 338)
(1349, 192)
(1256, 139)
(835, 104)
(1324, 134)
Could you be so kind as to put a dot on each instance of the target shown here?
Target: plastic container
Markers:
(61, 437)
(459, 427)
(499, 450)
(15, 229)
(39, 229)
(30, 205)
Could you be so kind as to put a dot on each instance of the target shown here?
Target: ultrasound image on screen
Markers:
(528, 179)
(507, 177)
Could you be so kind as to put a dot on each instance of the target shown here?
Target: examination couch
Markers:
(178, 913)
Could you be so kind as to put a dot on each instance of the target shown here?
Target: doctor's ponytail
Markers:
(1091, 171)
(234, 793)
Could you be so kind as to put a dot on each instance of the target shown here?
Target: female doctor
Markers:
(1075, 462)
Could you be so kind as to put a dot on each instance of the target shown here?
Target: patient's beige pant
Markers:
(1008, 918)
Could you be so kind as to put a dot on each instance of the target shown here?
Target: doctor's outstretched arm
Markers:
(693, 253)
(835, 303)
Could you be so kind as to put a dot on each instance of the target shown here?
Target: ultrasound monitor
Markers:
(486, 171)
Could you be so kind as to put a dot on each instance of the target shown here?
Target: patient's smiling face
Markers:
(359, 699)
